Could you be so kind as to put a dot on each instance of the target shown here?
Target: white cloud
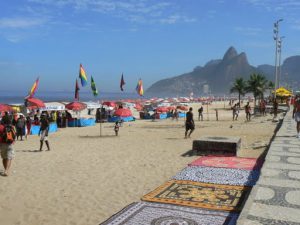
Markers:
(19, 22)
(135, 11)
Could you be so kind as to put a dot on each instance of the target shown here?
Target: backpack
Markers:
(9, 134)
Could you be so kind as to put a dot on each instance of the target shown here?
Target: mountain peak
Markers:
(230, 54)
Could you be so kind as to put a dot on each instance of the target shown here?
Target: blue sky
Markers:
(148, 39)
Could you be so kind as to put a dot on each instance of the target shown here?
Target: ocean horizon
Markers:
(17, 97)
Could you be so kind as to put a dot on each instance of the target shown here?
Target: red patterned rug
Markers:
(228, 162)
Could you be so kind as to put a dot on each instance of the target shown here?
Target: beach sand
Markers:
(85, 178)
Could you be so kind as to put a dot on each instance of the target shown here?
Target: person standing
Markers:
(189, 123)
(28, 126)
(20, 126)
(7, 139)
(275, 108)
(248, 111)
(200, 113)
(235, 112)
(44, 130)
(296, 114)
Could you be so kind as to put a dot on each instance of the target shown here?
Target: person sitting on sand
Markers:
(189, 123)
(44, 129)
(248, 111)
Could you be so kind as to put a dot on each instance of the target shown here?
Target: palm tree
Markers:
(270, 86)
(239, 86)
(257, 85)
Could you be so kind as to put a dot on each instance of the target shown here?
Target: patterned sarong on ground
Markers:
(160, 214)
(218, 175)
(228, 162)
(201, 195)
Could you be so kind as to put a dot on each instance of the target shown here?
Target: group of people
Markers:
(13, 128)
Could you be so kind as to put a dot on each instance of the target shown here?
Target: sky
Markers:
(147, 39)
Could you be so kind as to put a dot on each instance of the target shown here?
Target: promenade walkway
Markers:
(275, 199)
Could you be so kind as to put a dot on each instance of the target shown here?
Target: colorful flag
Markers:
(76, 91)
(122, 83)
(93, 86)
(33, 89)
(82, 76)
(139, 87)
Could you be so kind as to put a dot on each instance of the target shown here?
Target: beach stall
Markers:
(53, 106)
(122, 114)
(79, 122)
(161, 112)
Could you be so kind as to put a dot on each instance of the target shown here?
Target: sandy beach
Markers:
(85, 178)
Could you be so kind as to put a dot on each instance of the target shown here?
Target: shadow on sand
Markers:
(28, 151)
(98, 136)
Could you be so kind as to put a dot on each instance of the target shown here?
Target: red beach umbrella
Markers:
(4, 107)
(138, 107)
(109, 104)
(76, 106)
(183, 108)
(162, 109)
(35, 102)
(123, 112)
(171, 107)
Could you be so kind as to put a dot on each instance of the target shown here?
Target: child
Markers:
(116, 128)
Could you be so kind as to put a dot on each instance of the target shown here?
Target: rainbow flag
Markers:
(82, 76)
(33, 89)
(139, 87)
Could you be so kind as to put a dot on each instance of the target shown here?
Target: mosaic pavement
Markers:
(275, 199)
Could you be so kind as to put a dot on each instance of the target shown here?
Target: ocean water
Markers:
(17, 97)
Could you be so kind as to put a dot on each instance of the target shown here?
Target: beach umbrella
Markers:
(76, 106)
(162, 109)
(182, 107)
(172, 107)
(109, 104)
(138, 107)
(35, 102)
(123, 112)
(4, 107)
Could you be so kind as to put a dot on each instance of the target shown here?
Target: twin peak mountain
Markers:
(217, 76)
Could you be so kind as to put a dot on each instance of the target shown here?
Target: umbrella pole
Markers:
(100, 128)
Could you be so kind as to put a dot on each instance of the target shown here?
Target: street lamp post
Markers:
(279, 52)
(276, 33)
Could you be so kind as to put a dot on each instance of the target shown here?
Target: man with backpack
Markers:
(44, 129)
(7, 139)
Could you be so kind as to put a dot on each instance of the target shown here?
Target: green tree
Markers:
(239, 86)
(257, 85)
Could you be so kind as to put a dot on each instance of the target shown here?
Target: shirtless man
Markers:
(296, 114)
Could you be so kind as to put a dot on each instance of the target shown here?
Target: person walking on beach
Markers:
(275, 108)
(189, 123)
(235, 112)
(44, 129)
(200, 113)
(248, 111)
(296, 114)
(116, 128)
(7, 139)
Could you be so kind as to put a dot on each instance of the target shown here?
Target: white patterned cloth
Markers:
(145, 213)
(216, 175)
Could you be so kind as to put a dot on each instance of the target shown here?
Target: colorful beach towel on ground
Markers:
(218, 175)
(160, 214)
(228, 162)
(201, 195)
